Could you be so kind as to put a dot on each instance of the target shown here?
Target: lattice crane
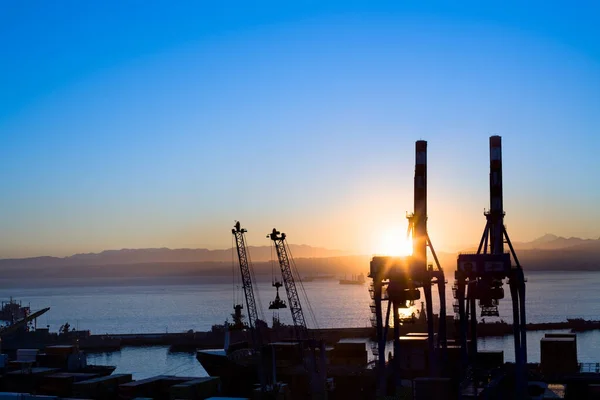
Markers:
(247, 278)
(317, 373)
(300, 328)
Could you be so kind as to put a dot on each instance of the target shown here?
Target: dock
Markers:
(190, 341)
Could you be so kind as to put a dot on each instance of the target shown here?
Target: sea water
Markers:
(171, 306)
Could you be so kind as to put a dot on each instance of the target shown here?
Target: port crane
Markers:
(417, 226)
(300, 329)
(397, 280)
(247, 274)
(248, 279)
(317, 375)
(480, 276)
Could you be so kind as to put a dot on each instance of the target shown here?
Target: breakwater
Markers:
(208, 340)
(191, 340)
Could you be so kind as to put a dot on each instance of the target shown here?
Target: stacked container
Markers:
(558, 356)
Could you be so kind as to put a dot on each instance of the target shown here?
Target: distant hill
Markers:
(547, 253)
(553, 242)
(163, 272)
(161, 255)
(556, 253)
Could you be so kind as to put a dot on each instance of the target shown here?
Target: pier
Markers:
(189, 341)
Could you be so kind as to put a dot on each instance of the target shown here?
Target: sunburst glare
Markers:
(394, 243)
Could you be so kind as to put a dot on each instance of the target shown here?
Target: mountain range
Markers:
(163, 255)
(553, 242)
(547, 253)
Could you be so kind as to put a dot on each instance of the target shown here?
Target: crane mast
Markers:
(317, 371)
(245, 270)
(300, 328)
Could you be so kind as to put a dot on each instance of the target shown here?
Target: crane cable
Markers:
(307, 302)
(232, 275)
(254, 284)
(272, 268)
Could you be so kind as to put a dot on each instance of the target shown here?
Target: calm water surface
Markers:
(551, 296)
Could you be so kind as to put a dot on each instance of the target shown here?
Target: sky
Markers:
(158, 124)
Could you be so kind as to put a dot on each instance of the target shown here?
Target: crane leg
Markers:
(513, 283)
(397, 366)
(430, 342)
(462, 314)
(442, 329)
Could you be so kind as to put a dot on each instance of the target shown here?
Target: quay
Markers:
(192, 340)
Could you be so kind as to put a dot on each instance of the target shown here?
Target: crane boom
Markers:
(300, 328)
(317, 372)
(245, 270)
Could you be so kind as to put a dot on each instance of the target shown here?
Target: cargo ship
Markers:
(237, 366)
(312, 278)
(12, 311)
(356, 280)
(24, 334)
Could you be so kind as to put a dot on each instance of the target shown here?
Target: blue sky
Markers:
(150, 124)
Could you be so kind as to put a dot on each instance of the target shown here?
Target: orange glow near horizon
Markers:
(394, 243)
(404, 313)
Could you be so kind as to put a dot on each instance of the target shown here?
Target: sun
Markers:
(394, 243)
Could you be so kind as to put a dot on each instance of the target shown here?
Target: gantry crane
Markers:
(317, 375)
(480, 276)
(417, 225)
(397, 280)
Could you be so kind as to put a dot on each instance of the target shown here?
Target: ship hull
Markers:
(237, 379)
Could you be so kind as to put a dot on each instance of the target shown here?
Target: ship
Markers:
(12, 311)
(312, 278)
(23, 333)
(237, 366)
(356, 280)
(581, 325)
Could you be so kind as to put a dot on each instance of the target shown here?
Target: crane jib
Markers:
(300, 328)
(246, 273)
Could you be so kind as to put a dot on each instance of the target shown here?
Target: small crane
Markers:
(317, 380)
(247, 278)
(247, 283)
(300, 329)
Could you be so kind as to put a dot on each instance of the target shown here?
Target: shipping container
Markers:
(142, 388)
(199, 388)
(558, 356)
